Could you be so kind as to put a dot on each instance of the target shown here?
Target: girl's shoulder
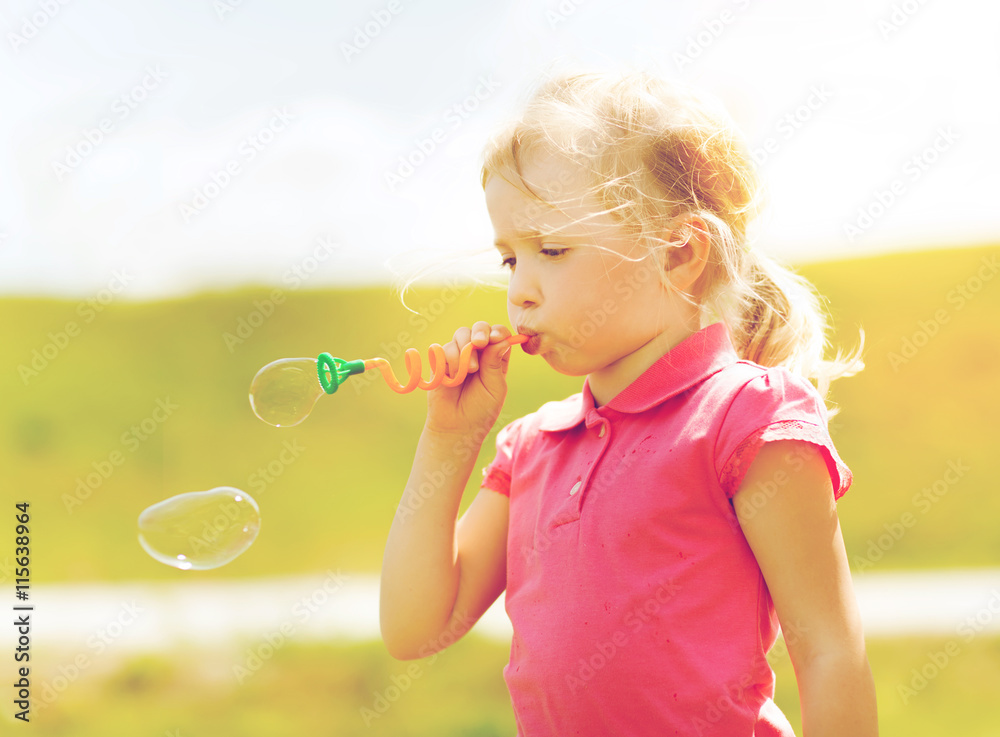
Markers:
(747, 381)
(763, 404)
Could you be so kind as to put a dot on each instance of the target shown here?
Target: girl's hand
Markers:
(473, 406)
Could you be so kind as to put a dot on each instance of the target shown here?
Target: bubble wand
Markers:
(284, 392)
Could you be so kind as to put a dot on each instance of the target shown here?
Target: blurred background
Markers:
(189, 191)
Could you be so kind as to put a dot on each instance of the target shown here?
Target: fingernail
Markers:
(495, 334)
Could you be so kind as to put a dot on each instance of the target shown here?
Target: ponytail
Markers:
(780, 322)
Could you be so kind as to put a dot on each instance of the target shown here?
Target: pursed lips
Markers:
(530, 346)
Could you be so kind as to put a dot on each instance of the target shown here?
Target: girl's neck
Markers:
(608, 382)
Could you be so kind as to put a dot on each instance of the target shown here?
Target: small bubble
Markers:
(200, 529)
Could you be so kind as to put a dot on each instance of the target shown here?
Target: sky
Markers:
(164, 148)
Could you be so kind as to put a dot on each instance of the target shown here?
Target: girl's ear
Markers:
(685, 257)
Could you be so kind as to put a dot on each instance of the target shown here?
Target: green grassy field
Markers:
(355, 690)
(141, 401)
(327, 488)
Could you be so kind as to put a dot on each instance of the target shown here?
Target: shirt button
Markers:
(600, 433)
(576, 488)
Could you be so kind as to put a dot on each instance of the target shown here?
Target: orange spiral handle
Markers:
(437, 360)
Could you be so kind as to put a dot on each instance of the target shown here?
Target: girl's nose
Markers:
(523, 288)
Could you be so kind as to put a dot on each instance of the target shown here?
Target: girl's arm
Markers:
(439, 575)
(795, 535)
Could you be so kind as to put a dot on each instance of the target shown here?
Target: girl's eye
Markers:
(510, 261)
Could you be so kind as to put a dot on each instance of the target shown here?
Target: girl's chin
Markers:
(561, 363)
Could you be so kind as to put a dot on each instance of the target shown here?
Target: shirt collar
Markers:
(689, 362)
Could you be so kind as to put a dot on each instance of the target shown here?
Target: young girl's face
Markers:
(591, 293)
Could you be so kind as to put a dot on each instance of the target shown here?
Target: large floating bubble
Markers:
(284, 392)
(201, 529)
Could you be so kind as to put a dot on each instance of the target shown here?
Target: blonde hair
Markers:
(657, 150)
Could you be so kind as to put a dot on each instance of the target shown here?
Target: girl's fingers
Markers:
(480, 339)
(498, 333)
(481, 335)
(453, 349)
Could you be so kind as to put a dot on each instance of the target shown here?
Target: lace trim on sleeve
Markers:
(496, 480)
(739, 462)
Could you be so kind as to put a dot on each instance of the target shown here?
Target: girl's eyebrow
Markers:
(520, 235)
(530, 235)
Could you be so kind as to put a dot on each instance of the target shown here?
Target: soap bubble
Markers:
(284, 392)
(200, 529)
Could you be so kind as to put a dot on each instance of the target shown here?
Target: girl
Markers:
(653, 530)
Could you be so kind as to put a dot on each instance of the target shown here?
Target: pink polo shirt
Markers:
(637, 605)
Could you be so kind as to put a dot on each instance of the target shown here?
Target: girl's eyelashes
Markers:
(551, 252)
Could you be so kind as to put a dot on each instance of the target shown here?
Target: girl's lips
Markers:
(530, 345)
(528, 338)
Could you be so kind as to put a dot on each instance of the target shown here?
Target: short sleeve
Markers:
(496, 475)
(777, 405)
